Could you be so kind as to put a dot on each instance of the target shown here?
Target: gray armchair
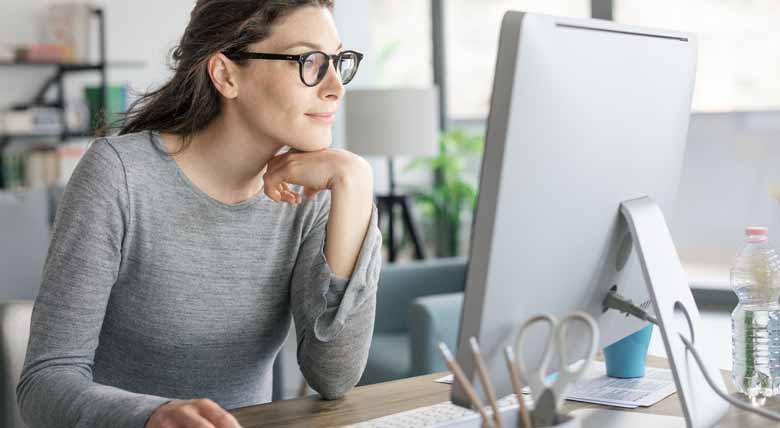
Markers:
(25, 238)
(14, 334)
(418, 304)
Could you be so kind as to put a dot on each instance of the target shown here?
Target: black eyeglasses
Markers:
(312, 66)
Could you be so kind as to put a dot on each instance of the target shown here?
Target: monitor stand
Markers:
(675, 310)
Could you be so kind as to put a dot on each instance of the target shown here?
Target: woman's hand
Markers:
(315, 171)
(351, 185)
(202, 413)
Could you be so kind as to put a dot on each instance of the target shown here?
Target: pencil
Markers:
(460, 377)
(517, 386)
(489, 391)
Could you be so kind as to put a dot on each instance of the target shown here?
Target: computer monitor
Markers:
(585, 114)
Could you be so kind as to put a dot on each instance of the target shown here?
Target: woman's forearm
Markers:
(350, 213)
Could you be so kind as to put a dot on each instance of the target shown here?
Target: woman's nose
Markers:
(331, 85)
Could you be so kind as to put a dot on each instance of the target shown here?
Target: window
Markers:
(738, 62)
(401, 43)
(471, 37)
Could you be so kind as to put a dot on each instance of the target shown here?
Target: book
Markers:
(45, 52)
(41, 168)
(32, 121)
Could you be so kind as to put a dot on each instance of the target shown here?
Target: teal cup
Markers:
(626, 357)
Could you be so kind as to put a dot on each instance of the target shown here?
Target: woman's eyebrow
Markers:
(310, 45)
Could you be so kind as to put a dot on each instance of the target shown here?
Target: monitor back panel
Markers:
(584, 114)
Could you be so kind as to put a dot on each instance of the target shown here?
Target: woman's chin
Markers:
(312, 146)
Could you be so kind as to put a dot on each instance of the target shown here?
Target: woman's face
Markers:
(273, 101)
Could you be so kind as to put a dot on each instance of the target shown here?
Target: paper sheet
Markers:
(445, 379)
(656, 385)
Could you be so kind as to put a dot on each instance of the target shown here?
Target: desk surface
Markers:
(373, 401)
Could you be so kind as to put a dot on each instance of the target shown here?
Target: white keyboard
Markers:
(441, 415)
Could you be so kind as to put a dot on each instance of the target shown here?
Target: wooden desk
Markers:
(373, 401)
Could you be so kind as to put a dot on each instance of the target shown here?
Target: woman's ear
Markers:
(224, 75)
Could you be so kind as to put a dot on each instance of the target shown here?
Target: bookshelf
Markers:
(56, 82)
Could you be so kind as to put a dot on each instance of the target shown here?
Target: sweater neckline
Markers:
(254, 199)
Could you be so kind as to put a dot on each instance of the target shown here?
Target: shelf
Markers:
(75, 66)
(66, 135)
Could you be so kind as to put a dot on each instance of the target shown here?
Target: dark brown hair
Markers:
(188, 102)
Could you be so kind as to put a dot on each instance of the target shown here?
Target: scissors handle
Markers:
(536, 378)
(566, 375)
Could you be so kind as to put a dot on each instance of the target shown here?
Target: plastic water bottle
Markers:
(755, 322)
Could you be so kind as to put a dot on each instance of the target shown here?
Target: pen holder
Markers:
(510, 419)
(563, 421)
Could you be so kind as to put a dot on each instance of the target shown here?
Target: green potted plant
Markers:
(452, 192)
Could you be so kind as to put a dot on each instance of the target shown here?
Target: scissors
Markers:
(549, 395)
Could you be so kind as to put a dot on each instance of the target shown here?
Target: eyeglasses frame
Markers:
(300, 59)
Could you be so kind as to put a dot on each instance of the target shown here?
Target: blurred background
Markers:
(69, 67)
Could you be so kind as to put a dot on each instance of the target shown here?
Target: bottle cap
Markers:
(756, 233)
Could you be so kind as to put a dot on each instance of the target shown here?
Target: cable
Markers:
(626, 306)
(738, 403)
(617, 302)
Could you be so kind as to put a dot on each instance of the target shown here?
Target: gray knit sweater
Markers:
(152, 290)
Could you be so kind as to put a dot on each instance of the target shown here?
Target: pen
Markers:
(460, 377)
(517, 386)
(489, 391)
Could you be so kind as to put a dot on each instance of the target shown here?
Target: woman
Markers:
(182, 246)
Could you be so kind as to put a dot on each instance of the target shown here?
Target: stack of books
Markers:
(39, 166)
(43, 52)
(32, 121)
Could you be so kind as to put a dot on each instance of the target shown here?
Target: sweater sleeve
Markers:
(56, 387)
(334, 316)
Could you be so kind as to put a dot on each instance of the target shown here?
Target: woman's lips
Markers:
(322, 117)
